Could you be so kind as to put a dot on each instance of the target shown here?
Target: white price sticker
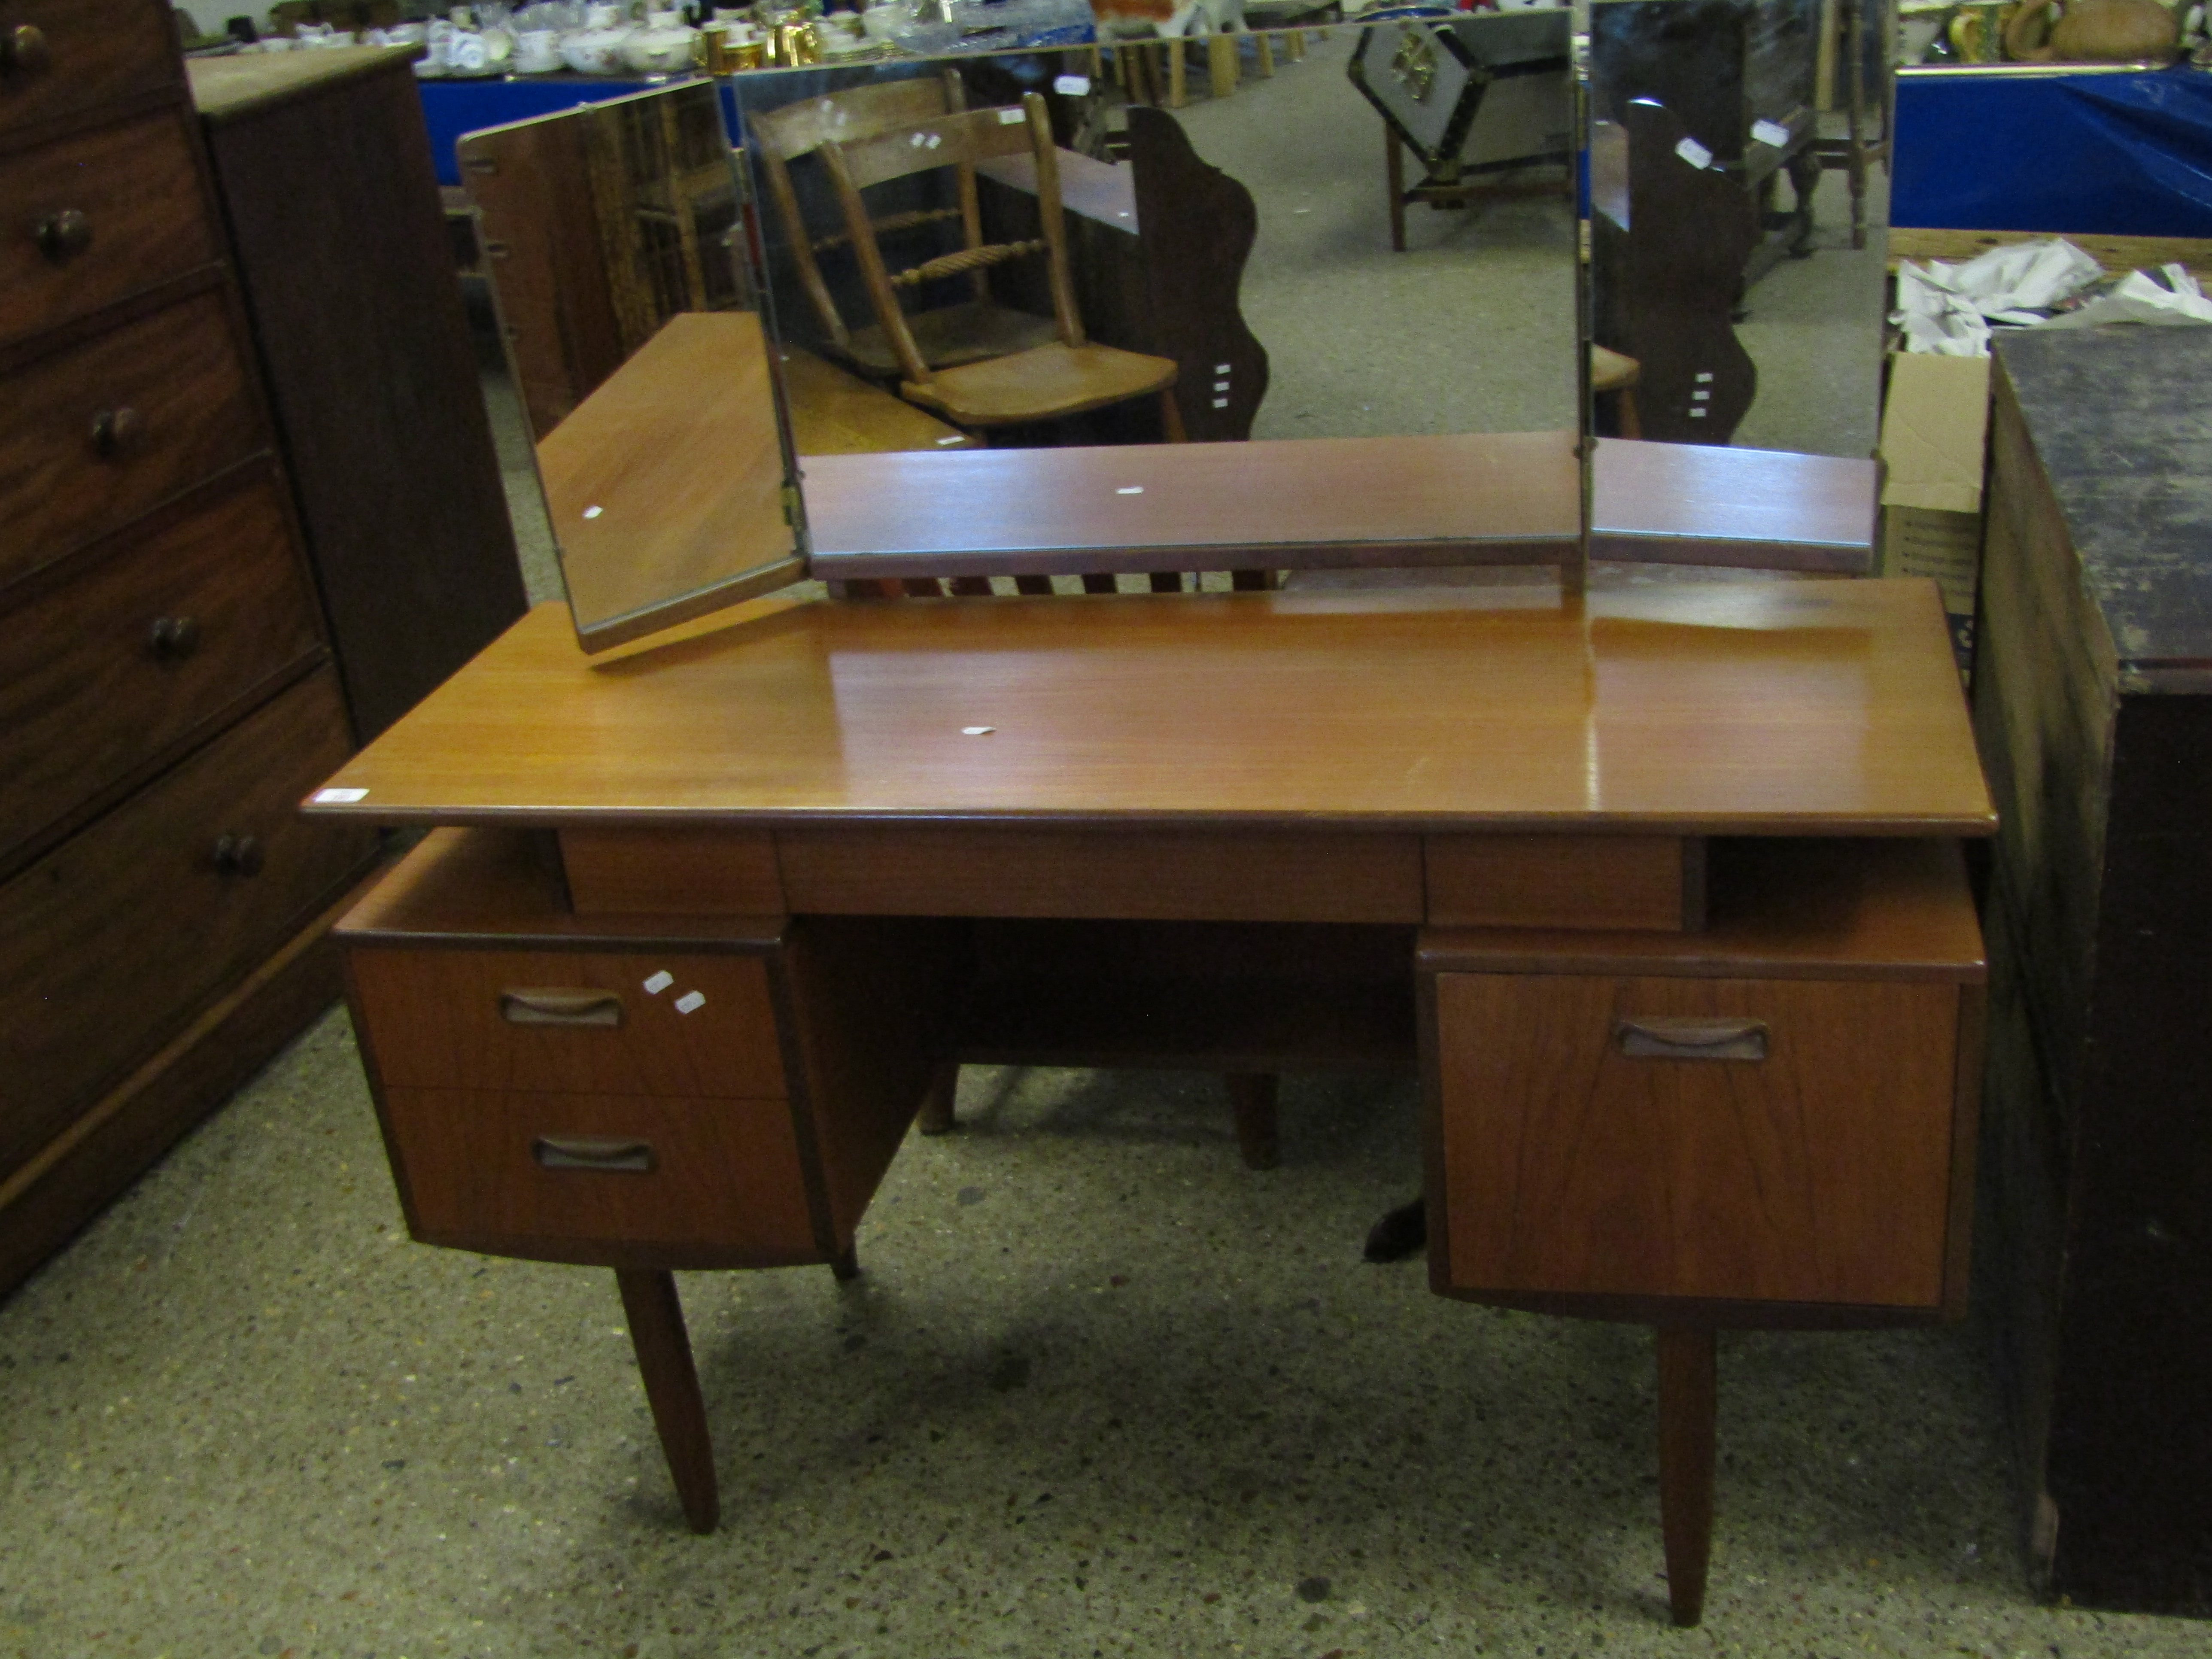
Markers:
(1694, 152)
(1772, 134)
(1072, 86)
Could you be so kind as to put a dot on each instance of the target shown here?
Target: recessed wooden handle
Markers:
(173, 639)
(62, 236)
(240, 855)
(117, 432)
(1669, 1037)
(599, 1154)
(561, 1007)
(24, 50)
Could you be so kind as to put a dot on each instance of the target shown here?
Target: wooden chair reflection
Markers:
(944, 336)
(1067, 376)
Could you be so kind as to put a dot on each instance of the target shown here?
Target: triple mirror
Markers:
(1332, 316)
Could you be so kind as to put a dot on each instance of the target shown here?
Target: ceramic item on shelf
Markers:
(596, 48)
(468, 53)
(879, 22)
(661, 45)
(538, 51)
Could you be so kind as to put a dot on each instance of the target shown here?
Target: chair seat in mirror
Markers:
(1040, 385)
(949, 336)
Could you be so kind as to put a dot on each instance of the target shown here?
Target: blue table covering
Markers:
(450, 108)
(2113, 154)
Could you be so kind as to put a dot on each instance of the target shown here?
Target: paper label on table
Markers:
(977, 730)
(690, 1002)
(1130, 489)
(1007, 117)
(954, 439)
(1072, 86)
(593, 512)
(659, 982)
(340, 797)
(1694, 152)
(1772, 133)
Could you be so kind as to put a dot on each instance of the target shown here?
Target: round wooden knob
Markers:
(24, 50)
(238, 855)
(62, 236)
(117, 432)
(174, 638)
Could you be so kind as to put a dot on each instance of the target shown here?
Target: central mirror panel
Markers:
(1738, 204)
(1030, 322)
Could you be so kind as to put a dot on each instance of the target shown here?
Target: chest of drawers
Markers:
(167, 690)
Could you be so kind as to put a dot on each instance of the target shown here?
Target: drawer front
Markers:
(59, 57)
(99, 433)
(105, 673)
(1615, 1137)
(554, 1175)
(111, 941)
(95, 216)
(584, 1022)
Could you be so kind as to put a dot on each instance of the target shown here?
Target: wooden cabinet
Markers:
(1774, 1113)
(2093, 710)
(634, 1092)
(168, 691)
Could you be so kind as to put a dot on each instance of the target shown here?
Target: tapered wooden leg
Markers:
(1686, 1401)
(846, 1268)
(935, 1117)
(1297, 43)
(1178, 73)
(1393, 177)
(1222, 68)
(672, 1388)
(1266, 44)
(1171, 427)
(1252, 1096)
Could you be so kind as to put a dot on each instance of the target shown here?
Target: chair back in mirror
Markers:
(946, 335)
(1065, 376)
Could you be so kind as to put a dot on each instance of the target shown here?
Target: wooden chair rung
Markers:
(965, 259)
(889, 225)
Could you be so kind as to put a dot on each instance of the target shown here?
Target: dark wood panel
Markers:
(120, 1135)
(1821, 1172)
(871, 1003)
(1565, 881)
(341, 248)
(464, 1020)
(99, 433)
(92, 53)
(723, 1188)
(143, 219)
(672, 871)
(116, 939)
(1259, 876)
(105, 676)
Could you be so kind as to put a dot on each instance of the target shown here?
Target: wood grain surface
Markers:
(834, 412)
(1797, 708)
(102, 51)
(1193, 506)
(669, 478)
(1681, 503)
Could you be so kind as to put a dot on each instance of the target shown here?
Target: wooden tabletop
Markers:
(224, 89)
(1818, 707)
(834, 412)
(1282, 503)
(1705, 504)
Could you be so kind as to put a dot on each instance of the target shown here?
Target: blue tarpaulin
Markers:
(2096, 155)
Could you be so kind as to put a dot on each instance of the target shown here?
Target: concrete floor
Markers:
(1101, 1390)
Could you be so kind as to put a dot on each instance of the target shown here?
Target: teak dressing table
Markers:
(1660, 889)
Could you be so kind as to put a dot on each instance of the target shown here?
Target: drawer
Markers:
(572, 1177)
(104, 674)
(59, 57)
(95, 216)
(1600, 1137)
(101, 433)
(665, 1024)
(109, 943)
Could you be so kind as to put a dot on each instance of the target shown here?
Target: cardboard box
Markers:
(1935, 440)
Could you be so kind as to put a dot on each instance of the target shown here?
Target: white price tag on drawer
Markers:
(1694, 152)
(1772, 134)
